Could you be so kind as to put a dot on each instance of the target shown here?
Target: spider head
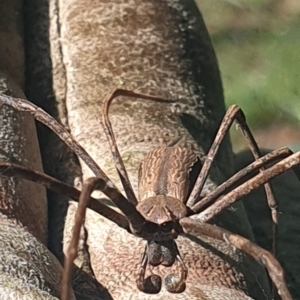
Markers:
(162, 213)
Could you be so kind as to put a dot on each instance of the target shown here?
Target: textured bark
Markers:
(287, 189)
(44, 75)
(158, 47)
(27, 268)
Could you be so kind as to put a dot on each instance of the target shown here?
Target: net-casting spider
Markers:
(169, 201)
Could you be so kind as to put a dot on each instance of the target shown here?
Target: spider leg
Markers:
(135, 219)
(111, 138)
(65, 136)
(91, 184)
(234, 113)
(85, 200)
(264, 257)
(43, 117)
(18, 171)
(245, 188)
(242, 175)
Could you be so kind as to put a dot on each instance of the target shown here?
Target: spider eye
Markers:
(167, 227)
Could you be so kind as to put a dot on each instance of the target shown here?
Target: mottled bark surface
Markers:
(158, 47)
(77, 51)
(43, 66)
(28, 270)
(18, 137)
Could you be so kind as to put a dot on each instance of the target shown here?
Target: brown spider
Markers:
(169, 199)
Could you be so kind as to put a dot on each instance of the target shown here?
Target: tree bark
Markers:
(28, 270)
(157, 47)
(76, 52)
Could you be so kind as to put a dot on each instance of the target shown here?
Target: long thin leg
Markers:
(85, 200)
(226, 200)
(43, 117)
(234, 113)
(111, 138)
(241, 175)
(13, 170)
(135, 219)
(88, 187)
(264, 257)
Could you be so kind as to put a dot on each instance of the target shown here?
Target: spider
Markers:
(168, 205)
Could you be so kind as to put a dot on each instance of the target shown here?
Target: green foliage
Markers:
(258, 51)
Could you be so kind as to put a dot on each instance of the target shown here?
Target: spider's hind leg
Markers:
(261, 255)
(234, 114)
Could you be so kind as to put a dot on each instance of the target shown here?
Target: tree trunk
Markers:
(77, 51)
(28, 270)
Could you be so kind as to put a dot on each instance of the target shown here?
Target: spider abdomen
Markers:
(166, 171)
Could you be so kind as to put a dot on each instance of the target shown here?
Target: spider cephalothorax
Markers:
(161, 210)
